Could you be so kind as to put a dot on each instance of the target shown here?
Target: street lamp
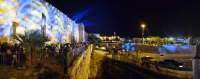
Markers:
(143, 26)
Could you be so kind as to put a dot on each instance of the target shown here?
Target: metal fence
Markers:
(16, 60)
(12, 59)
(60, 58)
(136, 60)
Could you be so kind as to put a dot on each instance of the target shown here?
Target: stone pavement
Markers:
(95, 64)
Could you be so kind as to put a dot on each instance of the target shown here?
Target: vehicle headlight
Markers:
(180, 66)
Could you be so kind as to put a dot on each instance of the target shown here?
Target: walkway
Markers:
(95, 64)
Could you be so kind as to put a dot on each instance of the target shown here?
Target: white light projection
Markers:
(28, 14)
(7, 15)
(76, 33)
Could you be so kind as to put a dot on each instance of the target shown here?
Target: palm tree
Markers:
(92, 38)
(31, 39)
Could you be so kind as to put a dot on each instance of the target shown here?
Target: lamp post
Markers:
(143, 26)
(115, 37)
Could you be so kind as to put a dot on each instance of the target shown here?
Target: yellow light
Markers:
(143, 25)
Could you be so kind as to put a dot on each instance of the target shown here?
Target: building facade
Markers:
(110, 38)
(17, 16)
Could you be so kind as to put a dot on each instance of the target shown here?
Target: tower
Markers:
(15, 25)
(43, 27)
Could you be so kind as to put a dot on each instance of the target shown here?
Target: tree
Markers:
(119, 46)
(117, 39)
(31, 39)
(93, 39)
(98, 42)
(107, 39)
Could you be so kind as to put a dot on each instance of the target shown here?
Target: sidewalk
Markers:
(95, 63)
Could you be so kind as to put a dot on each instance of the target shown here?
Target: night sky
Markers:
(164, 18)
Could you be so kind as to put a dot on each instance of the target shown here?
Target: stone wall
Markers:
(38, 15)
(170, 48)
(80, 68)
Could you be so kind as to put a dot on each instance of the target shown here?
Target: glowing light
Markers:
(143, 25)
(46, 3)
(128, 46)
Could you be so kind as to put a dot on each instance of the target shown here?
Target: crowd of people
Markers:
(8, 48)
(59, 48)
(57, 51)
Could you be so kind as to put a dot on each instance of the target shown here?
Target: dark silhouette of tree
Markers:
(117, 39)
(93, 39)
(107, 39)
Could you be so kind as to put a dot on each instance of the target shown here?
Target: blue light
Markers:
(171, 48)
(129, 46)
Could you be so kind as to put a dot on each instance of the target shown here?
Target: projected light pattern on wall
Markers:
(128, 46)
(28, 15)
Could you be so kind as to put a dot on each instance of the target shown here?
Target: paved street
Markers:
(186, 58)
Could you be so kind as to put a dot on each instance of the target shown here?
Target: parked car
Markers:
(161, 54)
(103, 48)
(96, 47)
(148, 60)
(172, 63)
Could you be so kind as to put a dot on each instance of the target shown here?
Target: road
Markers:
(186, 58)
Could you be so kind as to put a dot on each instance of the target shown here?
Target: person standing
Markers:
(14, 59)
(56, 52)
(8, 49)
(115, 53)
(48, 50)
(66, 57)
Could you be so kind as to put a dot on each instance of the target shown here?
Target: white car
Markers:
(97, 47)
(102, 48)
(161, 54)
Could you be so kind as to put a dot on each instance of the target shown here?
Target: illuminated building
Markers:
(110, 38)
(16, 16)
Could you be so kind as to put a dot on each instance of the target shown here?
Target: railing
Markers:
(16, 60)
(60, 58)
(12, 59)
(64, 59)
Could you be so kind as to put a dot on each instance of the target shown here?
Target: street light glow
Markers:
(143, 25)
(143, 33)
